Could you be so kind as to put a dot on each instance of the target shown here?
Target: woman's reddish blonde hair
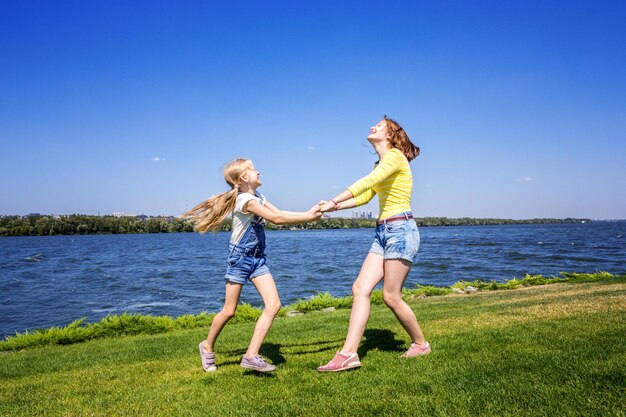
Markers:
(400, 140)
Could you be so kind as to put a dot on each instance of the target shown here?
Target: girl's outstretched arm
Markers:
(277, 210)
(272, 214)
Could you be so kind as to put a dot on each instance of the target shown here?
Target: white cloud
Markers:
(158, 159)
(310, 148)
(525, 179)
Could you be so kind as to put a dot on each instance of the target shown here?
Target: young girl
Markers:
(395, 244)
(246, 256)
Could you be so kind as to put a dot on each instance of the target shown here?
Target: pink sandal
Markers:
(417, 350)
(341, 363)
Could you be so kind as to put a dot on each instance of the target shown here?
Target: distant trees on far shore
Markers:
(78, 224)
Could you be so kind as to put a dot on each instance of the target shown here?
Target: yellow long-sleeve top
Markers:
(392, 180)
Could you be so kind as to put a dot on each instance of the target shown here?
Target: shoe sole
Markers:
(414, 356)
(344, 368)
(252, 368)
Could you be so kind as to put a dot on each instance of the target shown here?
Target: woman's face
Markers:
(378, 132)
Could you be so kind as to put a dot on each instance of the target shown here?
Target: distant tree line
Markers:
(78, 224)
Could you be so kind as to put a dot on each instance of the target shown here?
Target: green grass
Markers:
(550, 350)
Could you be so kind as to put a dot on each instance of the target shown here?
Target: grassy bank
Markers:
(134, 324)
(550, 350)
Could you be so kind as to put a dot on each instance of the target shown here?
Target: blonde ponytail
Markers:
(210, 214)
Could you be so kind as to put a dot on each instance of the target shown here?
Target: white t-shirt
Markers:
(241, 219)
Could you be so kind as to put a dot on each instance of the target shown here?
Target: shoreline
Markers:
(134, 324)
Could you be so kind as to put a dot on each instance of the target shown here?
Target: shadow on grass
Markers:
(380, 339)
(272, 352)
(255, 374)
(313, 347)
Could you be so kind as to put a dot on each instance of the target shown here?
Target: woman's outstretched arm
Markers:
(388, 165)
(362, 190)
(340, 202)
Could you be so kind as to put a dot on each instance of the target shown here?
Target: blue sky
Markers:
(519, 107)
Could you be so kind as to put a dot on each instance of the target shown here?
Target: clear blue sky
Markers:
(519, 107)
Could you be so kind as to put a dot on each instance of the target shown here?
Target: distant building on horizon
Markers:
(362, 215)
(121, 214)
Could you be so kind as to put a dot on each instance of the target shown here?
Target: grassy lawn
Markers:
(555, 350)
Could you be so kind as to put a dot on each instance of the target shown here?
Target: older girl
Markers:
(246, 256)
(395, 244)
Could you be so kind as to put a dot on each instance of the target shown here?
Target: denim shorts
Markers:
(243, 268)
(398, 239)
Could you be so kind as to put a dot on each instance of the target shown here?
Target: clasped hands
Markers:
(322, 207)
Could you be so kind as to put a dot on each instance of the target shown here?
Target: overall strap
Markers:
(246, 235)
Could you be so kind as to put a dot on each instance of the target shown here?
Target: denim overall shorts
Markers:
(246, 259)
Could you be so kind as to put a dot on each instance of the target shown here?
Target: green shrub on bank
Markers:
(110, 326)
(246, 313)
(319, 302)
(325, 300)
(189, 321)
(134, 324)
(575, 276)
(427, 290)
(530, 280)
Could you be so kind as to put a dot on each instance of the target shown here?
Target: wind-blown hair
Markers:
(400, 140)
(210, 214)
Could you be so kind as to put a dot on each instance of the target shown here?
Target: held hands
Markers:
(316, 211)
(320, 208)
(327, 206)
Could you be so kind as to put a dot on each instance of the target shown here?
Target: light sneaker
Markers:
(256, 363)
(207, 358)
(341, 363)
(417, 350)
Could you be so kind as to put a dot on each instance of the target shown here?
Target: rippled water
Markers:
(51, 281)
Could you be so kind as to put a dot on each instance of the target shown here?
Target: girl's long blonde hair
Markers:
(209, 214)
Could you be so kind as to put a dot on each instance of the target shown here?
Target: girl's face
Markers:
(378, 132)
(252, 177)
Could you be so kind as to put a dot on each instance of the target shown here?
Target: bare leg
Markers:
(233, 291)
(396, 271)
(371, 273)
(267, 289)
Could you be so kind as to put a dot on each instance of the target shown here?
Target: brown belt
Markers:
(394, 219)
